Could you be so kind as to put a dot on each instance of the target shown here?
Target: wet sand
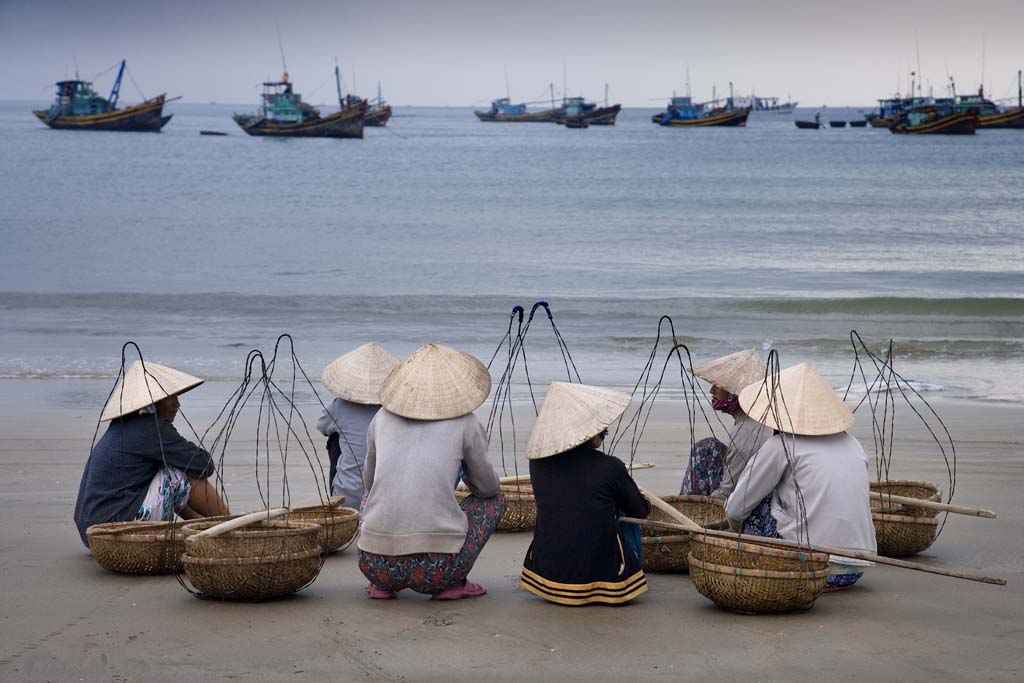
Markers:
(62, 617)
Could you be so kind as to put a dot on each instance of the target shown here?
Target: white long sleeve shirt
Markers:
(829, 473)
(746, 438)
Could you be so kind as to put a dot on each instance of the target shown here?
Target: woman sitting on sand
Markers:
(414, 533)
(578, 555)
(354, 379)
(141, 468)
(713, 466)
(815, 473)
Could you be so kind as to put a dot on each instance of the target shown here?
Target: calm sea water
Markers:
(200, 248)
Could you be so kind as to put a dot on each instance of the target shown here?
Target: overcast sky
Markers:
(454, 52)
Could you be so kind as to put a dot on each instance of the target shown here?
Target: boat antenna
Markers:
(606, 94)
(552, 86)
(353, 77)
(982, 66)
(917, 47)
(952, 86)
(565, 80)
(688, 91)
(508, 95)
(75, 57)
(280, 46)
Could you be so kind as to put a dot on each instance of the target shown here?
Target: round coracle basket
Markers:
(903, 535)
(253, 578)
(338, 525)
(137, 549)
(261, 540)
(754, 552)
(704, 510)
(667, 553)
(757, 591)
(908, 489)
(520, 506)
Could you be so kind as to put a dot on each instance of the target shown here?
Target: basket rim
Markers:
(165, 535)
(664, 540)
(693, 499)
(345, 513)
(903, 519)
(756, 573)
(509, 495)
(244, 561)
(761, 548)
(280, 528)
(936, 491)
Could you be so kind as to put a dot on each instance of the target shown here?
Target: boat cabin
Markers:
(505, 106)
(576, 106)
(77, 98)
(280, 104)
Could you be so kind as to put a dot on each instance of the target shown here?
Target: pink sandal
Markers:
(466, 590)
(380, 593)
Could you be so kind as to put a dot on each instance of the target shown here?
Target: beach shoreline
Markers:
(65, 618)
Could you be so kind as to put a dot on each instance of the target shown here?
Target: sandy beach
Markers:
(65, 618)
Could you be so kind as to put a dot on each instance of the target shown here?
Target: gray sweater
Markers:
(410, 472)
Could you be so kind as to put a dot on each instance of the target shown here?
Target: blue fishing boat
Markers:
(79, 107)
(574, 114)
(683, 111)
(282, 113)
(989, 113)
(502, 109)
(936, 119)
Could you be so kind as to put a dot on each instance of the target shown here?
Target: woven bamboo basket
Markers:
(703, 510)
(520, 506)
(755, 553)
(338, 525)
(903, 535)
(758, 591)
(909, 489)
(253, 578)
(137, 550)
(668, 553)
(262, 540)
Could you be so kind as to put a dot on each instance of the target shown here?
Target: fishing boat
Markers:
(861, 123)
(283, 114)
(767, 105)
(936, 119)
(502, 109)
(79, 107)
(837, 124)
(989, 114)
(595, 115)
(810, 125)
(378, 112)
(890, 109)
(683, 111)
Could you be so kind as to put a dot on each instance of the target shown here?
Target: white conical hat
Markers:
(436, 383)
(573, 414)
(733, 372)
(358, 375)
(803, 403)
(136, 390)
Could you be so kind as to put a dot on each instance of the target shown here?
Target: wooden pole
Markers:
(238, 522)
(931, 505)
(682, 519)
(514, 479)
(843, 552)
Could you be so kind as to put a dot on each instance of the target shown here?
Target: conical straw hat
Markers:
(136, 389)
(358, 375)
(573, 414)
(436, 383)
(733, 372)
(803, 403)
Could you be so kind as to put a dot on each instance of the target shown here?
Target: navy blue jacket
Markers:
(124, 461)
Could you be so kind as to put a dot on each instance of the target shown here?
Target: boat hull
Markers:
(1013, 118)
(736, 118)
(954, 124)
(378, 118)
(347, 123)
(808, 125)
(549, 116)
(881, 122)
(144, 117)
(603, 116)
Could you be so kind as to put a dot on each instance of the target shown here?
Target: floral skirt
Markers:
(434, 572)
(168, 492)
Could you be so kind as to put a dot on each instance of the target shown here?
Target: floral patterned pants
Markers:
(434, 572)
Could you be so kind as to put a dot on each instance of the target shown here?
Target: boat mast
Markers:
(1020, 99)
(729, 104)
(116, 90)
(337, 82)
(280, 46)
(508, 95)
(380, 99)
(606, 94)
(552, 86)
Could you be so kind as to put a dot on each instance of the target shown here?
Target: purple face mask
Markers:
(726, 405)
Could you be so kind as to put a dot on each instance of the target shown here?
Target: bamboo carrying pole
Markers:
(930, 505)
(238, 522)
(670, 511)
(514, 479)
(843, 552)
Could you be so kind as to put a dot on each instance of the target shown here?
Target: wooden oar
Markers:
(670, 511)
(515, 479)
(931, 505)
(843, 552)
(238, 522)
